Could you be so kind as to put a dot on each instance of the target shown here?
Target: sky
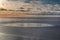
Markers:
(44, 1)
(55, 4)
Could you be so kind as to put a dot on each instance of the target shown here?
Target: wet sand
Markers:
(22, 27)
(30, 29)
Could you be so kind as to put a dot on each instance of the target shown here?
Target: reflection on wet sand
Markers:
(23, 23)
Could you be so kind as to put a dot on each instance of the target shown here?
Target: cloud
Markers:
(43, 4)
(47, 4)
